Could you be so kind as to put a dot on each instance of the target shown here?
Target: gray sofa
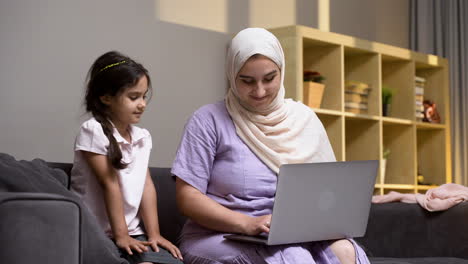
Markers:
(407, 233)
(396, 233)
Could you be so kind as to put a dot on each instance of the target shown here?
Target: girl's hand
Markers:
(159, 240)
(128, 244)
(256, 225)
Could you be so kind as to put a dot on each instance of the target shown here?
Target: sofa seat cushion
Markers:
(433, 260)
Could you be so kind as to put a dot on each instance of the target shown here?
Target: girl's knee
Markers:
(344, 250)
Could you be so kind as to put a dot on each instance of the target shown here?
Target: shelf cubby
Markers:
(401, 163)
(435, 88)
(398, 75)
(323, 57)
(363, 66)
(430, 155)
(414, 145)
(334, 125)
(359, 133)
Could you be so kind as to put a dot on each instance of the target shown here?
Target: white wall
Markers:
(47, 47)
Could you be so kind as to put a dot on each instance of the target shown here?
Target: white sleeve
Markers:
(91, 138)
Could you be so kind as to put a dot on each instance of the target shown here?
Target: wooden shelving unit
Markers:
(414, 146)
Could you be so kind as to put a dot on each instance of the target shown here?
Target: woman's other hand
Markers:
(256, 225)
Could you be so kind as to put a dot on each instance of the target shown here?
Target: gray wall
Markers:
(385, 21)
(47, 47)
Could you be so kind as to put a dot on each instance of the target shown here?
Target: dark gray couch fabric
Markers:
(38, 178)
(170, 220)
(27, 217)
(433, 260)
(414, 235)
(396, 232)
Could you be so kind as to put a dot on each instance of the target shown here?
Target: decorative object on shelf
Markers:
(313, 89)
(383, 165)
(431, 114)
(356, 96)
(387, 95)
(420, 179)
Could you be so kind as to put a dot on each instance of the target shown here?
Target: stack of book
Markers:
(419, 83)
(356, 95)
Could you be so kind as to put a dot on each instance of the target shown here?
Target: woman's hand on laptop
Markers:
(256, 225)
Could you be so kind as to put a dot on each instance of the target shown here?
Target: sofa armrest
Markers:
(39, 228)
(408, 230)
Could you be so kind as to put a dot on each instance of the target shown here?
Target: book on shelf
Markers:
(355, 97)
(419, 108)
(419, 116)
(419, 84)
(357, 108)
(356, 105)
(418, 90)
(419, 79)
(357, 87)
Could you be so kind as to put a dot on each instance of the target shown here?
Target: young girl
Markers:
(110, 171)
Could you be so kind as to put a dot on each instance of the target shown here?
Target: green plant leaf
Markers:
(387, 95)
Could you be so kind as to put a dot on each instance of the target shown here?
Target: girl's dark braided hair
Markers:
(111, 74)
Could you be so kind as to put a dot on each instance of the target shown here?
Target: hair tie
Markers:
(112, 65)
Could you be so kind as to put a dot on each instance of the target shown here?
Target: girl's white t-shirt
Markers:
(136, 154)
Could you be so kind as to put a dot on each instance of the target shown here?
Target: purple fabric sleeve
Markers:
(194, 158)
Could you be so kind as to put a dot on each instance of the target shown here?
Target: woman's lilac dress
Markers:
(214, 160)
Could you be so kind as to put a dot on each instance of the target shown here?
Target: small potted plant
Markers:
(313, 76)
(383, 164)
(313, 88)
(387, 95)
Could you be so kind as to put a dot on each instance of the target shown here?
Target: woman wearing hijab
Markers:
(228, 160)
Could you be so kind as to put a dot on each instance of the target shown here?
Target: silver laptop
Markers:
(319, 201)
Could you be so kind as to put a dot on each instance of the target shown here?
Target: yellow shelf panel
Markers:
(361, 116)
(393, 120)
(397, 186)
(327, 112)
(429, 126)
(426, 187)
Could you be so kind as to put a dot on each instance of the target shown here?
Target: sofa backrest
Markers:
(66, 167)
(170, 220)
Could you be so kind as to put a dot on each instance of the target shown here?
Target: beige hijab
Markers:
(287, 131)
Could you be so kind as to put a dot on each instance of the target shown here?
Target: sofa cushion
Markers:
(401, 230)
(64, 169)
